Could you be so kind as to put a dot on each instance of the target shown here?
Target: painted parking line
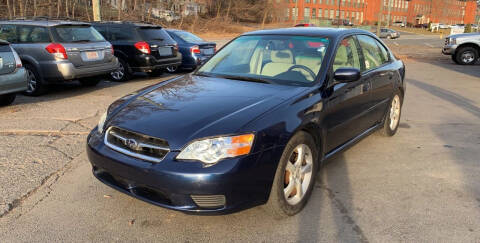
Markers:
(429, 45)
(396, 43)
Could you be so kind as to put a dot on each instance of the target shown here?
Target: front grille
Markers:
(447, 41)
(209, 201)
(136, 145)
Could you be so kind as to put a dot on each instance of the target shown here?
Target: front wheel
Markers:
(123, 73)
(7, 99)
(36, 86)
(466, 55)
(294, 177)
(392, 118)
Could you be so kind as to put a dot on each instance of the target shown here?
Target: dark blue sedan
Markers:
(195, 51)
(253, 124)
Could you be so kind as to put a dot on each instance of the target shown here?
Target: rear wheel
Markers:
(466, 55)
(36, 86)
(392, 118)
(295, 176)
(172, 69)
(7, 99)
(123, 73)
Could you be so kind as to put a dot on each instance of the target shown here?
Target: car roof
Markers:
(47, 23)
(309, 31)
(130, 23)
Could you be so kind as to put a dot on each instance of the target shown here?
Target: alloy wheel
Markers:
(172, 69)
(298, 174)
(119, 73)
(395, 112)
(468, 57)
(32, 81)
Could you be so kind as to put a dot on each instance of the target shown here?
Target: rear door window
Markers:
(77, 33)
(8, 33)
(373, 57)
(103, 31)
(5, 48)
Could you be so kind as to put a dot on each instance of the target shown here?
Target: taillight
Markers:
(18, 62)
(111, 49)
(175, 47)
(195, 50)
(143, 46)
(57, 50)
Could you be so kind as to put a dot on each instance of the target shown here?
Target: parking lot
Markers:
(420, 185)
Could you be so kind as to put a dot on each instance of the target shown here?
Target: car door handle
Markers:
(366, 87)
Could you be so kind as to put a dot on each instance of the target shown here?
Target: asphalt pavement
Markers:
(420, 185)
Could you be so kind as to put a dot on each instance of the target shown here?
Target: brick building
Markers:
(366, 11)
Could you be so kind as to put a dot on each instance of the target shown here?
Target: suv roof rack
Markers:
(124, 22)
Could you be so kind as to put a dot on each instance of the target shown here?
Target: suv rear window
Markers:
(5, 48)
(154, 33)
(77, 33)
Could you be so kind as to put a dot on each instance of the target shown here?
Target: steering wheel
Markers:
(309, 71)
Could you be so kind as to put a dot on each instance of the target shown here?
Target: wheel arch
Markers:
(468, 44)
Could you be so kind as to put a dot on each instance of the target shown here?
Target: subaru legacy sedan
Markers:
(253, 124)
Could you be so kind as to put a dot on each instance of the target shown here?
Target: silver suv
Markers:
(464, 48)
(55, 50)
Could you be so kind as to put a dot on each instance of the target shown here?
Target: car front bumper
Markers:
(65, 70)
(449, 49)
(244, 182)
(13, 82)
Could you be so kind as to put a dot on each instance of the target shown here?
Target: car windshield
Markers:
(188, 37)
(290, 60)
(80, 33)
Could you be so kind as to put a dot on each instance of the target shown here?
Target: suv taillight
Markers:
(57, 50)
(18, 62)
(195, 50)
(143, 46)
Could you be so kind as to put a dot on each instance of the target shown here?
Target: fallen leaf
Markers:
(107, 196)
(131, 222)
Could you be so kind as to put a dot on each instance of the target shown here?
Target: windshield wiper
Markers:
(244, 78)
(80, 41)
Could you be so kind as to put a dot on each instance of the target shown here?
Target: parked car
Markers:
(389, 33)
(55, 51)
(443, 26)
(398, 23)
(195, 51)
(13, 78)
(464, 48)
(423, 26)
(305, 25)
(140, 47)
(253, 124)
(344, 22)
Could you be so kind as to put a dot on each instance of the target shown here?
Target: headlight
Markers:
(101, 122)
(453, 41)
(211, 150)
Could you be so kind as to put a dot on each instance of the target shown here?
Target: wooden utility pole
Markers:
(295, 13)
(96, 10)
(389, 14)
(380, 15)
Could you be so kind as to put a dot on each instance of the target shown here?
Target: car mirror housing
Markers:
(346, 75)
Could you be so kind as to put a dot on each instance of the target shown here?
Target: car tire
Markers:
(392, 116)
(454, 59)
(172, 69)
(389, 37)
(123, 73)
(7, 99)
(90, 82)
(285, 202)
(466, 55)
(35, 86)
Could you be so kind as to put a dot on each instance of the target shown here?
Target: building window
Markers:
(314, 13)
(306, 12)
(319, 12)
(332, 12)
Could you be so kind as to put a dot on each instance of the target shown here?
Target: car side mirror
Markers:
(346, 75)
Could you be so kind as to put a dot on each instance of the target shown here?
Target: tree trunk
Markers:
(73, 8)
(143, 9)
(265, 14)
(228, 9)
(9, 9)
(119, 6)
(87, 11)
(66, 9)
(50, 10)
(14, 11)
(20, 5)
(34, 8)
(58, 8)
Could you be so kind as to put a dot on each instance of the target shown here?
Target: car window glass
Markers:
(5, 48)
(8, 33)
(80, 33)
(385, 56)
(32, 34)
(347, 54)
(371, 53)
(119, 33)
(102, 30)
(188, 37)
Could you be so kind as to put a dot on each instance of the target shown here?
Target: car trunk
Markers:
(207, 48)
(161, 44)
(84, 46)
(7, 59)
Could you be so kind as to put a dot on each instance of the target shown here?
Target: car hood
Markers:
(465, 35)
(192, 107)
